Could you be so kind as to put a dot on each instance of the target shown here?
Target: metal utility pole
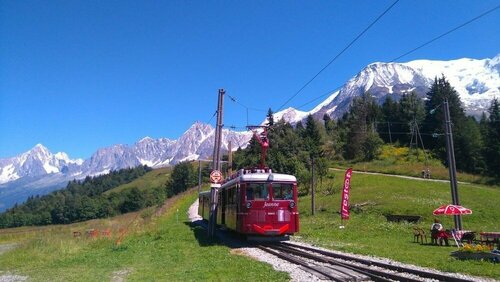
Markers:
(218, 131)
(313, 190)
(229, 158)
(199, 176)
(389, 128)
(451, 163)
(214, 199)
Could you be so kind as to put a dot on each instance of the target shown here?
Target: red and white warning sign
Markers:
(215, 176)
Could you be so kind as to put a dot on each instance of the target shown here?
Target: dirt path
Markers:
(120, 275)
(400, 176)
(7, 247)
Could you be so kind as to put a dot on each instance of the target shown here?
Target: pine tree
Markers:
(182, 177)
(465, 132)
(361, 119)
(329, 123)
(411, 113)
(390, 121)
(492, 140)
(270, 117)
(312, 138)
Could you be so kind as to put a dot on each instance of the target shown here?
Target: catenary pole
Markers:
(216, 165)
(199, 176)
(313, 189)
(451, 163)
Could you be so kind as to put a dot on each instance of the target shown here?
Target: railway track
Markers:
(337, 267)
(328, 265)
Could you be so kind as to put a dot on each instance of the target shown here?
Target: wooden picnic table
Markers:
(490, 238)
(490, 235)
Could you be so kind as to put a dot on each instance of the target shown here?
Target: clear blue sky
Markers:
(80, 75)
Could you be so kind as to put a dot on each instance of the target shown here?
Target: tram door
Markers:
(223, 205)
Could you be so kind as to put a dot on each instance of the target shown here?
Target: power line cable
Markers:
(212, 117)
(319, 97)
(339, 54)
(413, 50)
(247, 108)
(446, 33)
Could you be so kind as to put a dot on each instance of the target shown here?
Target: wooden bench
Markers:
(401, 217)
(419, 235)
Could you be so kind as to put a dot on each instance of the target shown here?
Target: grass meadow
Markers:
(164, 248)
(152, 179)
(368, 232)
(411, 162)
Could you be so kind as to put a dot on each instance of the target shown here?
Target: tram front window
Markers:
(282, 191)
(257, 191)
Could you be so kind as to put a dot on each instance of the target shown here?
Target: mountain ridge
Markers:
(476, 81)
(38, 171)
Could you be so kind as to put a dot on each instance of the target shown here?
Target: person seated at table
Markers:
(436, 229)
(443, 237)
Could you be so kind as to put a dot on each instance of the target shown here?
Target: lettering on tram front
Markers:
(271, 205)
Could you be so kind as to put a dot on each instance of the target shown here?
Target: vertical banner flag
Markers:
(344, 213)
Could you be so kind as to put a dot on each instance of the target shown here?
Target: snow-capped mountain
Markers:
(38, 171)
(291, 115)
(196, 142)
(36, 162)
(476, 81)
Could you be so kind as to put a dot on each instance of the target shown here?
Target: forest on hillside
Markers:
(95, 197)
(362, 131)
(82, 200)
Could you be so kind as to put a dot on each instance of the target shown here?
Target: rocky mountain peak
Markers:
(145, 140)
(494, 63)
(476, 81)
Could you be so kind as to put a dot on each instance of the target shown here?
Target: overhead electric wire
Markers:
(212, 117)
(248, 108)
(413, 50)
(446, 33)
(319, 97)
(339, 54)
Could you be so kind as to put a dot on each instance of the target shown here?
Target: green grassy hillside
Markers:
(368, 232)
(163, 248)
(403, 161)
(153, 179)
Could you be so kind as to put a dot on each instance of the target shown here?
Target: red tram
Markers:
(256, 202)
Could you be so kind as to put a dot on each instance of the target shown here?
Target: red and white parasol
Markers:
(451, 210)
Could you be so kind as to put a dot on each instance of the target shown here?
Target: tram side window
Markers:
(257, 191)
(282, 191)
(231, 199)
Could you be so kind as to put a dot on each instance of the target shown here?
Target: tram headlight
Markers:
(249, 205)
(292, 204)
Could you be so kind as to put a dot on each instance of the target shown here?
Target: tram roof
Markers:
(259, 176)
(272, 177)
